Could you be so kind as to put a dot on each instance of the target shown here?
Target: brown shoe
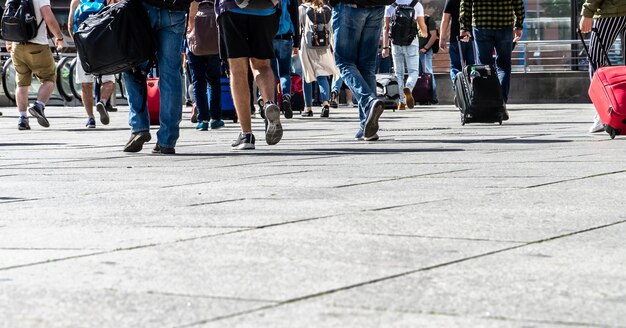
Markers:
(410, 102)
(401, 106)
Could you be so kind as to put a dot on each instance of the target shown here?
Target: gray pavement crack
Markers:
(398, 275)
(575, 179)
(442, 237)
(152, 292)
(399, 178)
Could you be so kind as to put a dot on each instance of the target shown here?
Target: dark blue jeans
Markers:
(455, 57)
(207, 91)
(356, 32)
(281, 65)
(502, 41)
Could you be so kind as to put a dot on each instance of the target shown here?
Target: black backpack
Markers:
(403, 27)
(19, 22)
(116, 39)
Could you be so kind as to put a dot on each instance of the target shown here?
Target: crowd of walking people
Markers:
(329, 43)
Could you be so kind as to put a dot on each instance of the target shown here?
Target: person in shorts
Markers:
(246, 41)
(34, 57)
(86, 80)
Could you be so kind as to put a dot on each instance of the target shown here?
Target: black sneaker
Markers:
(287, 106)
(244, 141)
(137, 139)
(325, 111)
(23, 124)
(505, 114)
(273, 128)
(37, 112)
(110, 108)
(371, 124)
(158, 149)
(104, 115)
(333, 99)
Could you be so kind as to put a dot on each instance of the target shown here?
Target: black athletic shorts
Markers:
(247, 35)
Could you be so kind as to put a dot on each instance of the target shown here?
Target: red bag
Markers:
(154, 99)
(608, 94)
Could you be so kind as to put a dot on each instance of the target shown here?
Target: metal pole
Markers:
(574, 35)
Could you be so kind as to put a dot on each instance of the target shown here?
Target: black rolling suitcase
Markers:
(478, 93)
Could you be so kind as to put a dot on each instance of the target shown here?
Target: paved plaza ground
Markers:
(435, 225)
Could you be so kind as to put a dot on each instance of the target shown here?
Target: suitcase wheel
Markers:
(235, 119)
(612, 132)
(500, 122)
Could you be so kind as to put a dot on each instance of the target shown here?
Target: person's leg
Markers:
(307, 88)
(365, 64)
(398, 54)
(324, 87)
(43, 66)
(504, 47)
(484, 40)
(241, 91)
(284, 69)
(455, 61)
(334, 93)
(198, 66)
(213, 76)
(349, 31)
(170, 36)
(412, 64)
(87, 97)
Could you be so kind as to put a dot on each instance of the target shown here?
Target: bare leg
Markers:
(106, 90)
(45, 91)
(264, 77)
(87, 94)
(241, 91)
(21, 98)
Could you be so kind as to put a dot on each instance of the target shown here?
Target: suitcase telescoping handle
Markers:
(471, 40)
(604, 51)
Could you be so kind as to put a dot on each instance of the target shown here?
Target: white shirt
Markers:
(419, 12)
(42, 33)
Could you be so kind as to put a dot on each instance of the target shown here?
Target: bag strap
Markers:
(604, 51)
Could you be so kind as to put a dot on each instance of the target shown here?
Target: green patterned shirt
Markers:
(491, 14)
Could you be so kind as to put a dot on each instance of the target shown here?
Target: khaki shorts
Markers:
(31, 58)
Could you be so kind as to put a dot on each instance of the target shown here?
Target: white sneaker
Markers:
(597, 125)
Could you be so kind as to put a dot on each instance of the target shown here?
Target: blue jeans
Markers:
(502, 41)
(337, 84)
(205, 74)
(455, 57)
(322, 82)
(169, 29)
(427, 66)
(281, 65)
(356, 33)
(410, 54)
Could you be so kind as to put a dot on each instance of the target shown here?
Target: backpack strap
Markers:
(413, 3)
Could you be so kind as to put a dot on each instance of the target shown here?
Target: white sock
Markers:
(24, 114)
(40, 104)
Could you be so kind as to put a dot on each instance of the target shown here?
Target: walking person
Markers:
(318, 62)
(450, 30)
(87, 80)
(494, 24)
(246, 41)
(167, 20)
(404, 46)
(608, 17)
(357, 26)
(205, 72)
(286, 44)
(35, 57)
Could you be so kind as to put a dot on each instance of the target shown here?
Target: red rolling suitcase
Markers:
(608, 93)
(153, 99)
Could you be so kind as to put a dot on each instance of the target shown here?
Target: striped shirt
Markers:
(491, 14)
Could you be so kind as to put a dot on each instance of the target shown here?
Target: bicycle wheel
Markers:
(63, 79)
(75, 87)
(8, 79)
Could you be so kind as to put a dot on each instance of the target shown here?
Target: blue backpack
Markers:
(284, 25)
(85, 9)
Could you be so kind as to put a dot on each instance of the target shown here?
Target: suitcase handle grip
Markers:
(604, 51)
(471, 40)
